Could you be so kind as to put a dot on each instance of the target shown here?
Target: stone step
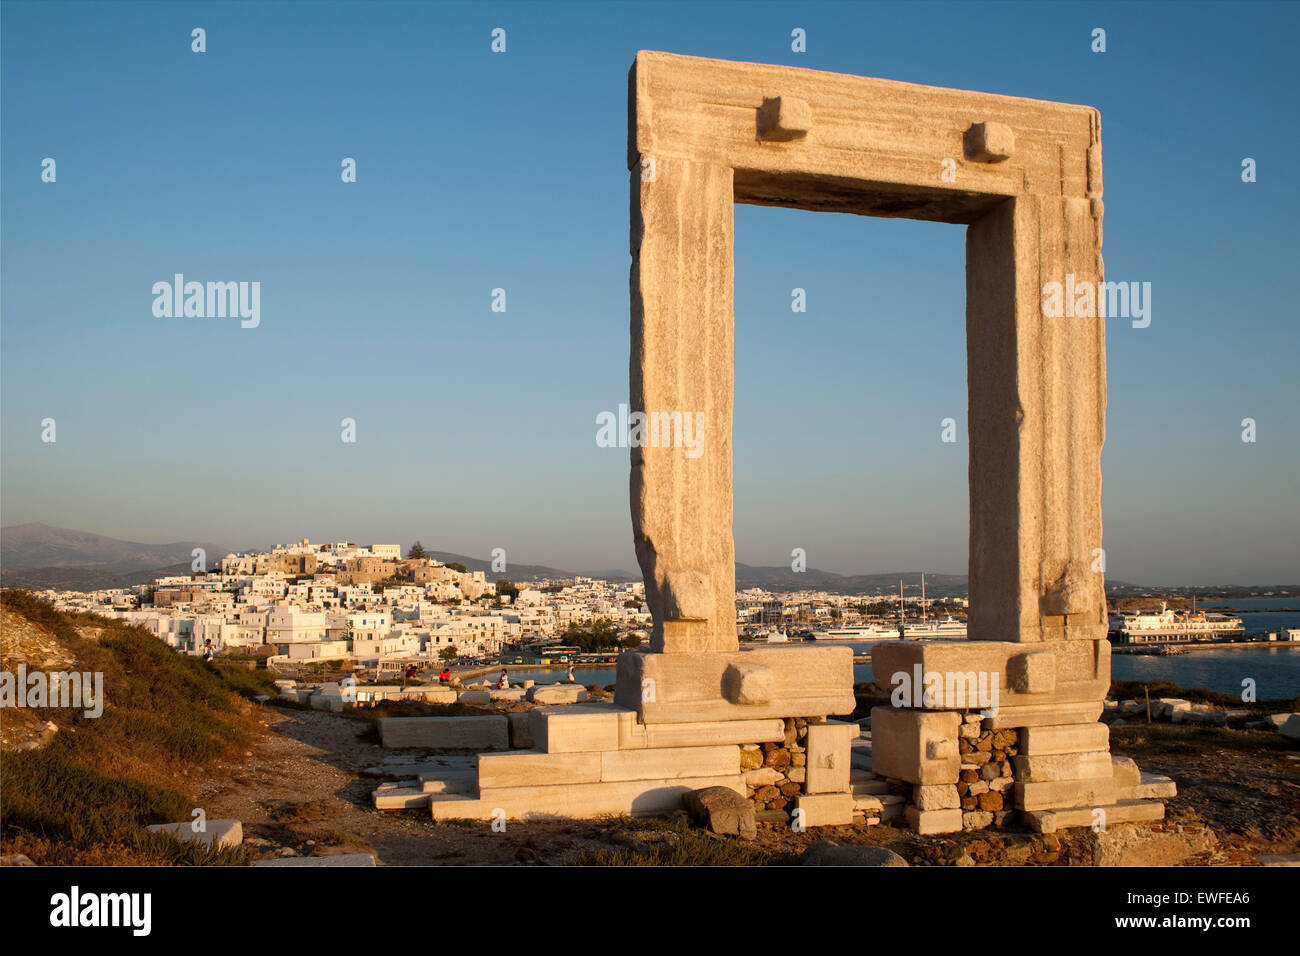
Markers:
(449, 781)
(449, 733)
(577, 728)
(825, 809)
(703, 733)
(392, 796)
(867, 802)
(525, 768)
(535, 768)
(1126, 811)
(577, 801)
(1152, 787)
(433, 766)
(1065, 794)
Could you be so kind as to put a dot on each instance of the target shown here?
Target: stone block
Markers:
(933, 821)
(936, 797)
(744, 683)
(824, 809)
(1150, 786)
(506, 695)
(807, 681)
(577, 801)
(431, 695)
(989, 142)
(1032, 673)
(976, 819)
(446, 733)
(1050, 795)
(828, 757)
(218, 834)
(973, 675)
(1046, 715)
(783, 118)
(449, 781)
(669, 763)
(521, 736)
(1164, 708)
(708, 733)
(1049, 821)
(722, 810)
(1125, 771)
(474, 697)
(867, 803)
(1077, 766)
(396, 796)
(556, 693)
(575, 728)
(763, 777)
(522, 768)
(901, 740)
(1064, 739)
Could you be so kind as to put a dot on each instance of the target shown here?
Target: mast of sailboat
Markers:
(901, 619)
(923, 600)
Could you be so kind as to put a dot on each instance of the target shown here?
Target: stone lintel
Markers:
(676, 688)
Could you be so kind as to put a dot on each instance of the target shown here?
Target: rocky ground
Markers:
(302, 793)
(27, 643)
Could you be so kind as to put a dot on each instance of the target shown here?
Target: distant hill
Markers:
(84, 579)
(36, 545)
(781, 578)
(525, 572)
(40, 556)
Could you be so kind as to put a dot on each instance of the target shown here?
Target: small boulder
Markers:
(1291, 729)
(723, 811)
(826, 853)
(220, 834)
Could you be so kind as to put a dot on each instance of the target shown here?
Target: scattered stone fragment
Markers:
(826, 853)
(724, 811)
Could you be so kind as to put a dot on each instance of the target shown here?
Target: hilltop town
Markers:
(368, 605)
(363, 604)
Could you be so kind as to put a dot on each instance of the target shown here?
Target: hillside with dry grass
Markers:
(80, 790)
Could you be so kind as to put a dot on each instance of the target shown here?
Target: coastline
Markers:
(1198, 645)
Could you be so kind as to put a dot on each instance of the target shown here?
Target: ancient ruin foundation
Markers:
(695, 711)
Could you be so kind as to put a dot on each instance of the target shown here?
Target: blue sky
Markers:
(478, 171)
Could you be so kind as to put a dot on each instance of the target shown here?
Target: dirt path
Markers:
(301, 794)
(1244, 785)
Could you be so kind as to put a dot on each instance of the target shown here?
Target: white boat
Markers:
(1166, 626)
(925, 630)
(861, 632)
(775, 637)
(949, 627)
